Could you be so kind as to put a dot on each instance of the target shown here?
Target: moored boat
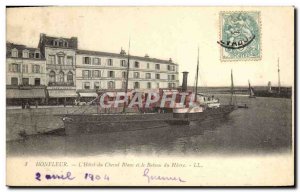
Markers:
(187, 108)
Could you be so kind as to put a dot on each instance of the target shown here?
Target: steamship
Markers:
(197, 113)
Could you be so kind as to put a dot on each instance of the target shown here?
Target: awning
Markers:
(62, 93)
(88, 94)
(25, 93)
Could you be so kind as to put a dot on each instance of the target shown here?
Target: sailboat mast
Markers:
(127, 75)
(278, 77)
(249, 87)
(232, 89)
(197, 76)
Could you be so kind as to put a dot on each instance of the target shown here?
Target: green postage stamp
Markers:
(240, 36)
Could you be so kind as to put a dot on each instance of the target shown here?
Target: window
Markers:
(136, 85)
(157, 76)
(14, 53)
(111, 74)
(14, 81)
(70, 77)
(69, 60)
(111, 85)
(171, 68)
(86, 60)
(61, 77)
(109, 62)
(149, 85)
(25, 68)
(37, 55)
(51, 59)
(148, 75)
(55, 42)
(96, 85)
(96, 74)
(173, 77)
(148, 65)
(52, 77)
(124, 74)
(31, 55)
(86, 74)
(86, 85)
(25, 81)
(15, 68)
(157, 66)
(37, 81)
(25, 54)
(61, 60)
(66, 44)
(136, 75)
(123, 63)
(61, 43)
(157, 85)
(136, 64)
(35, 69)
(171, 85)
(96, 61)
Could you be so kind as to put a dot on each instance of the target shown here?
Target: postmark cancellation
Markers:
(240, 36)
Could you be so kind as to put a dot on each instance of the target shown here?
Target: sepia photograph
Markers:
(150, 96)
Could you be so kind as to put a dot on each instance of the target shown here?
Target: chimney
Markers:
(184, 81)
(147, 56)
(122, 52)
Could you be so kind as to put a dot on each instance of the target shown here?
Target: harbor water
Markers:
(264, 127)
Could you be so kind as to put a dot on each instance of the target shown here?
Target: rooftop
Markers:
(146, 58)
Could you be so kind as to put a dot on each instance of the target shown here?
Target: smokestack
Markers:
(184, 81)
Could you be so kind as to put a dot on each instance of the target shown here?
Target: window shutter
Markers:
(83, 60)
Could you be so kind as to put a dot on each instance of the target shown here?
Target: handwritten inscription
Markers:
(160, 178)
(68, 177)
(95, 177)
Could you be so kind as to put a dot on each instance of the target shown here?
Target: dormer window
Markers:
(65, 44)
(37, 55)
(14, 52)
(55, 42)
(25, 54)
(60, 43)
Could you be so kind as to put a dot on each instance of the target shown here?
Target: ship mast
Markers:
(278, 76)
(197, 76)
(249, 87)
(127, 76)
(232, 89)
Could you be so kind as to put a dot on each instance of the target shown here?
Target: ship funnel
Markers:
(184, 81)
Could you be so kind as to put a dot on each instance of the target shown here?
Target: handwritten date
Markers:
(68, 176)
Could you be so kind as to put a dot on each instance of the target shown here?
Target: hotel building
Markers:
(69, 73)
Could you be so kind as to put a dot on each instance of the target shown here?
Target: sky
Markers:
(165, 32)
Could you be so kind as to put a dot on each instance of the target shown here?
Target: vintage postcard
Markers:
(150, 96)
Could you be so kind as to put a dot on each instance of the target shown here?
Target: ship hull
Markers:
(77, 124)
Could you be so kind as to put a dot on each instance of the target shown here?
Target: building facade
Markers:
(25, 74)
(68, 73)
(60, 55)
(107, 71)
